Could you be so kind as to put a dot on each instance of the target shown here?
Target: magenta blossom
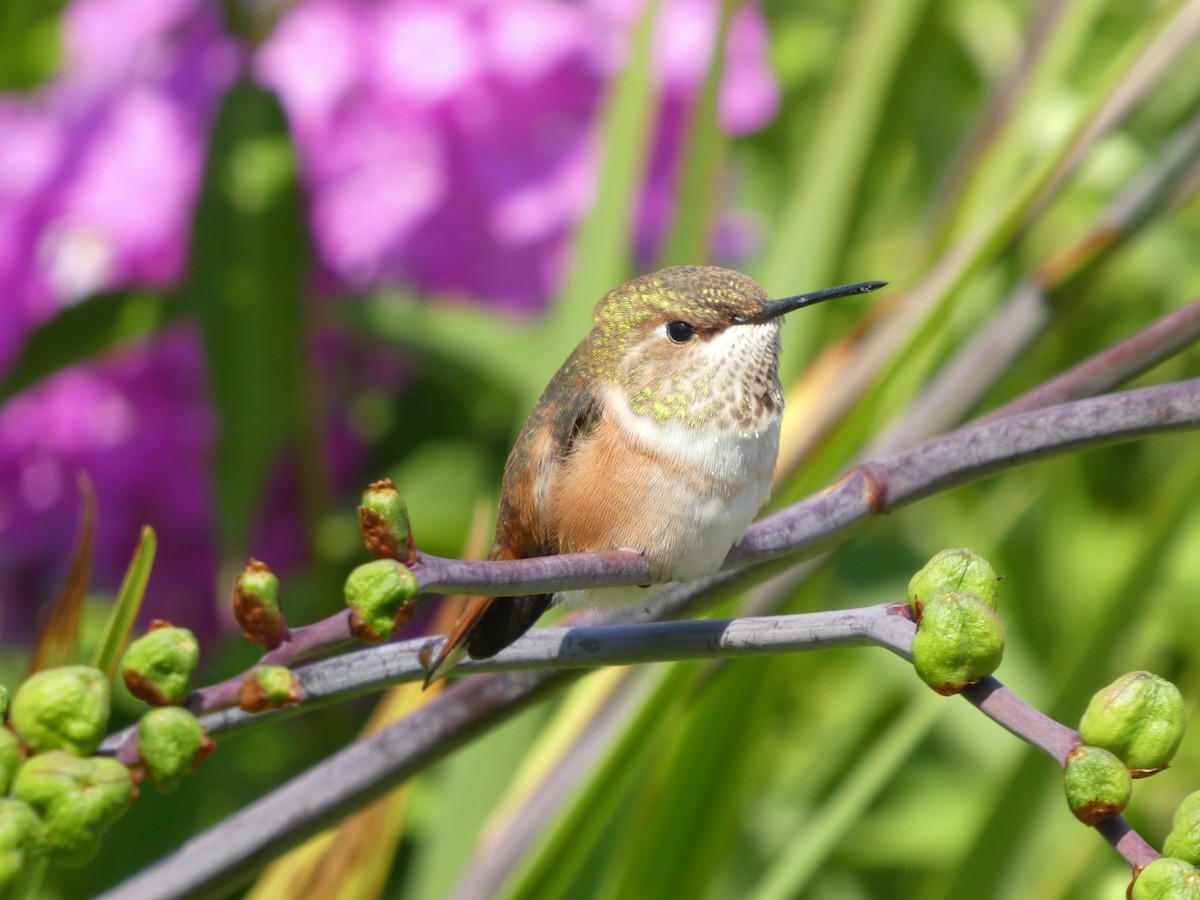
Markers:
(140, 425)
(99, 169)
(451, 146)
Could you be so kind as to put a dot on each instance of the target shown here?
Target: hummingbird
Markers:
(659, 434)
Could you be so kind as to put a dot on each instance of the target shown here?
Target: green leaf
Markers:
(30, 48)
(120, 620)
(245, 283)
(84, 330)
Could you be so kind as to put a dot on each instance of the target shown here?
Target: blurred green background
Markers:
(959, 150)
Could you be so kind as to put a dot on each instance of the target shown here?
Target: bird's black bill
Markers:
(787, 304)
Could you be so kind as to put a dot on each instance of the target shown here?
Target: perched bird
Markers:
(659, 434)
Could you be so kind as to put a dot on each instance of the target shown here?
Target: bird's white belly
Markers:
(699, 500)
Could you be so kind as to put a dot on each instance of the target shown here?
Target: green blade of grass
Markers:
(119, 624)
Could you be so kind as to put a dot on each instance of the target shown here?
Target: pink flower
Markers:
(99, 169)
(141, 427)
(450, 146)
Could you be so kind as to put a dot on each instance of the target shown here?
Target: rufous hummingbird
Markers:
(659, 434)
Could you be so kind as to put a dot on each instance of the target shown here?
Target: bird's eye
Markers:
(680, 332)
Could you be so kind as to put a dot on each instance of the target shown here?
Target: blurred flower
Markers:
(451, 146)
(141, 426)
(99, 169)
(98, 173)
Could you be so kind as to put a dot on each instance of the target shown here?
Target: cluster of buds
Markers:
(382, 594)
(1131, 729)
(157, 669)
(1136, 724)
(58, 798)
(959, 638)
(1175, 875)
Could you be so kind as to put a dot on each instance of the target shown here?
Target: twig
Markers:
(588, 646)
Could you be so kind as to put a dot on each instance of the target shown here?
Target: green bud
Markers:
(1184, 840)
(1139, 717)
(3, 702)
(21, 837)
(959, 570)
(1166, 879)
(77, 798)
(380, 596)
(158, 666)
(64, 708)
(10, 758)
(256, 605)
(171, 743)
(268, 687)
(1097, 783)
(959, 640)
(383, 523)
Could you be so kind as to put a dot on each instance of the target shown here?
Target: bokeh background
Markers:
(255, 254)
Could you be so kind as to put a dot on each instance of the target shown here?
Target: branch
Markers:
(226, 855)
(969, 454)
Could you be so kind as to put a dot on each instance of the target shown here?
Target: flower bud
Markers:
(268, 687)
(64, 708)
(1166, 879)
(3, 702)
(954, 570)
(380, 596)
(158, 666)
(171, 743)
(959, 640)
(1139, 717)
(1097, 783)
(21, 837)
(256, 605)
(77, 798)
(383, 523)
(1184, 840)
(10, 759)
